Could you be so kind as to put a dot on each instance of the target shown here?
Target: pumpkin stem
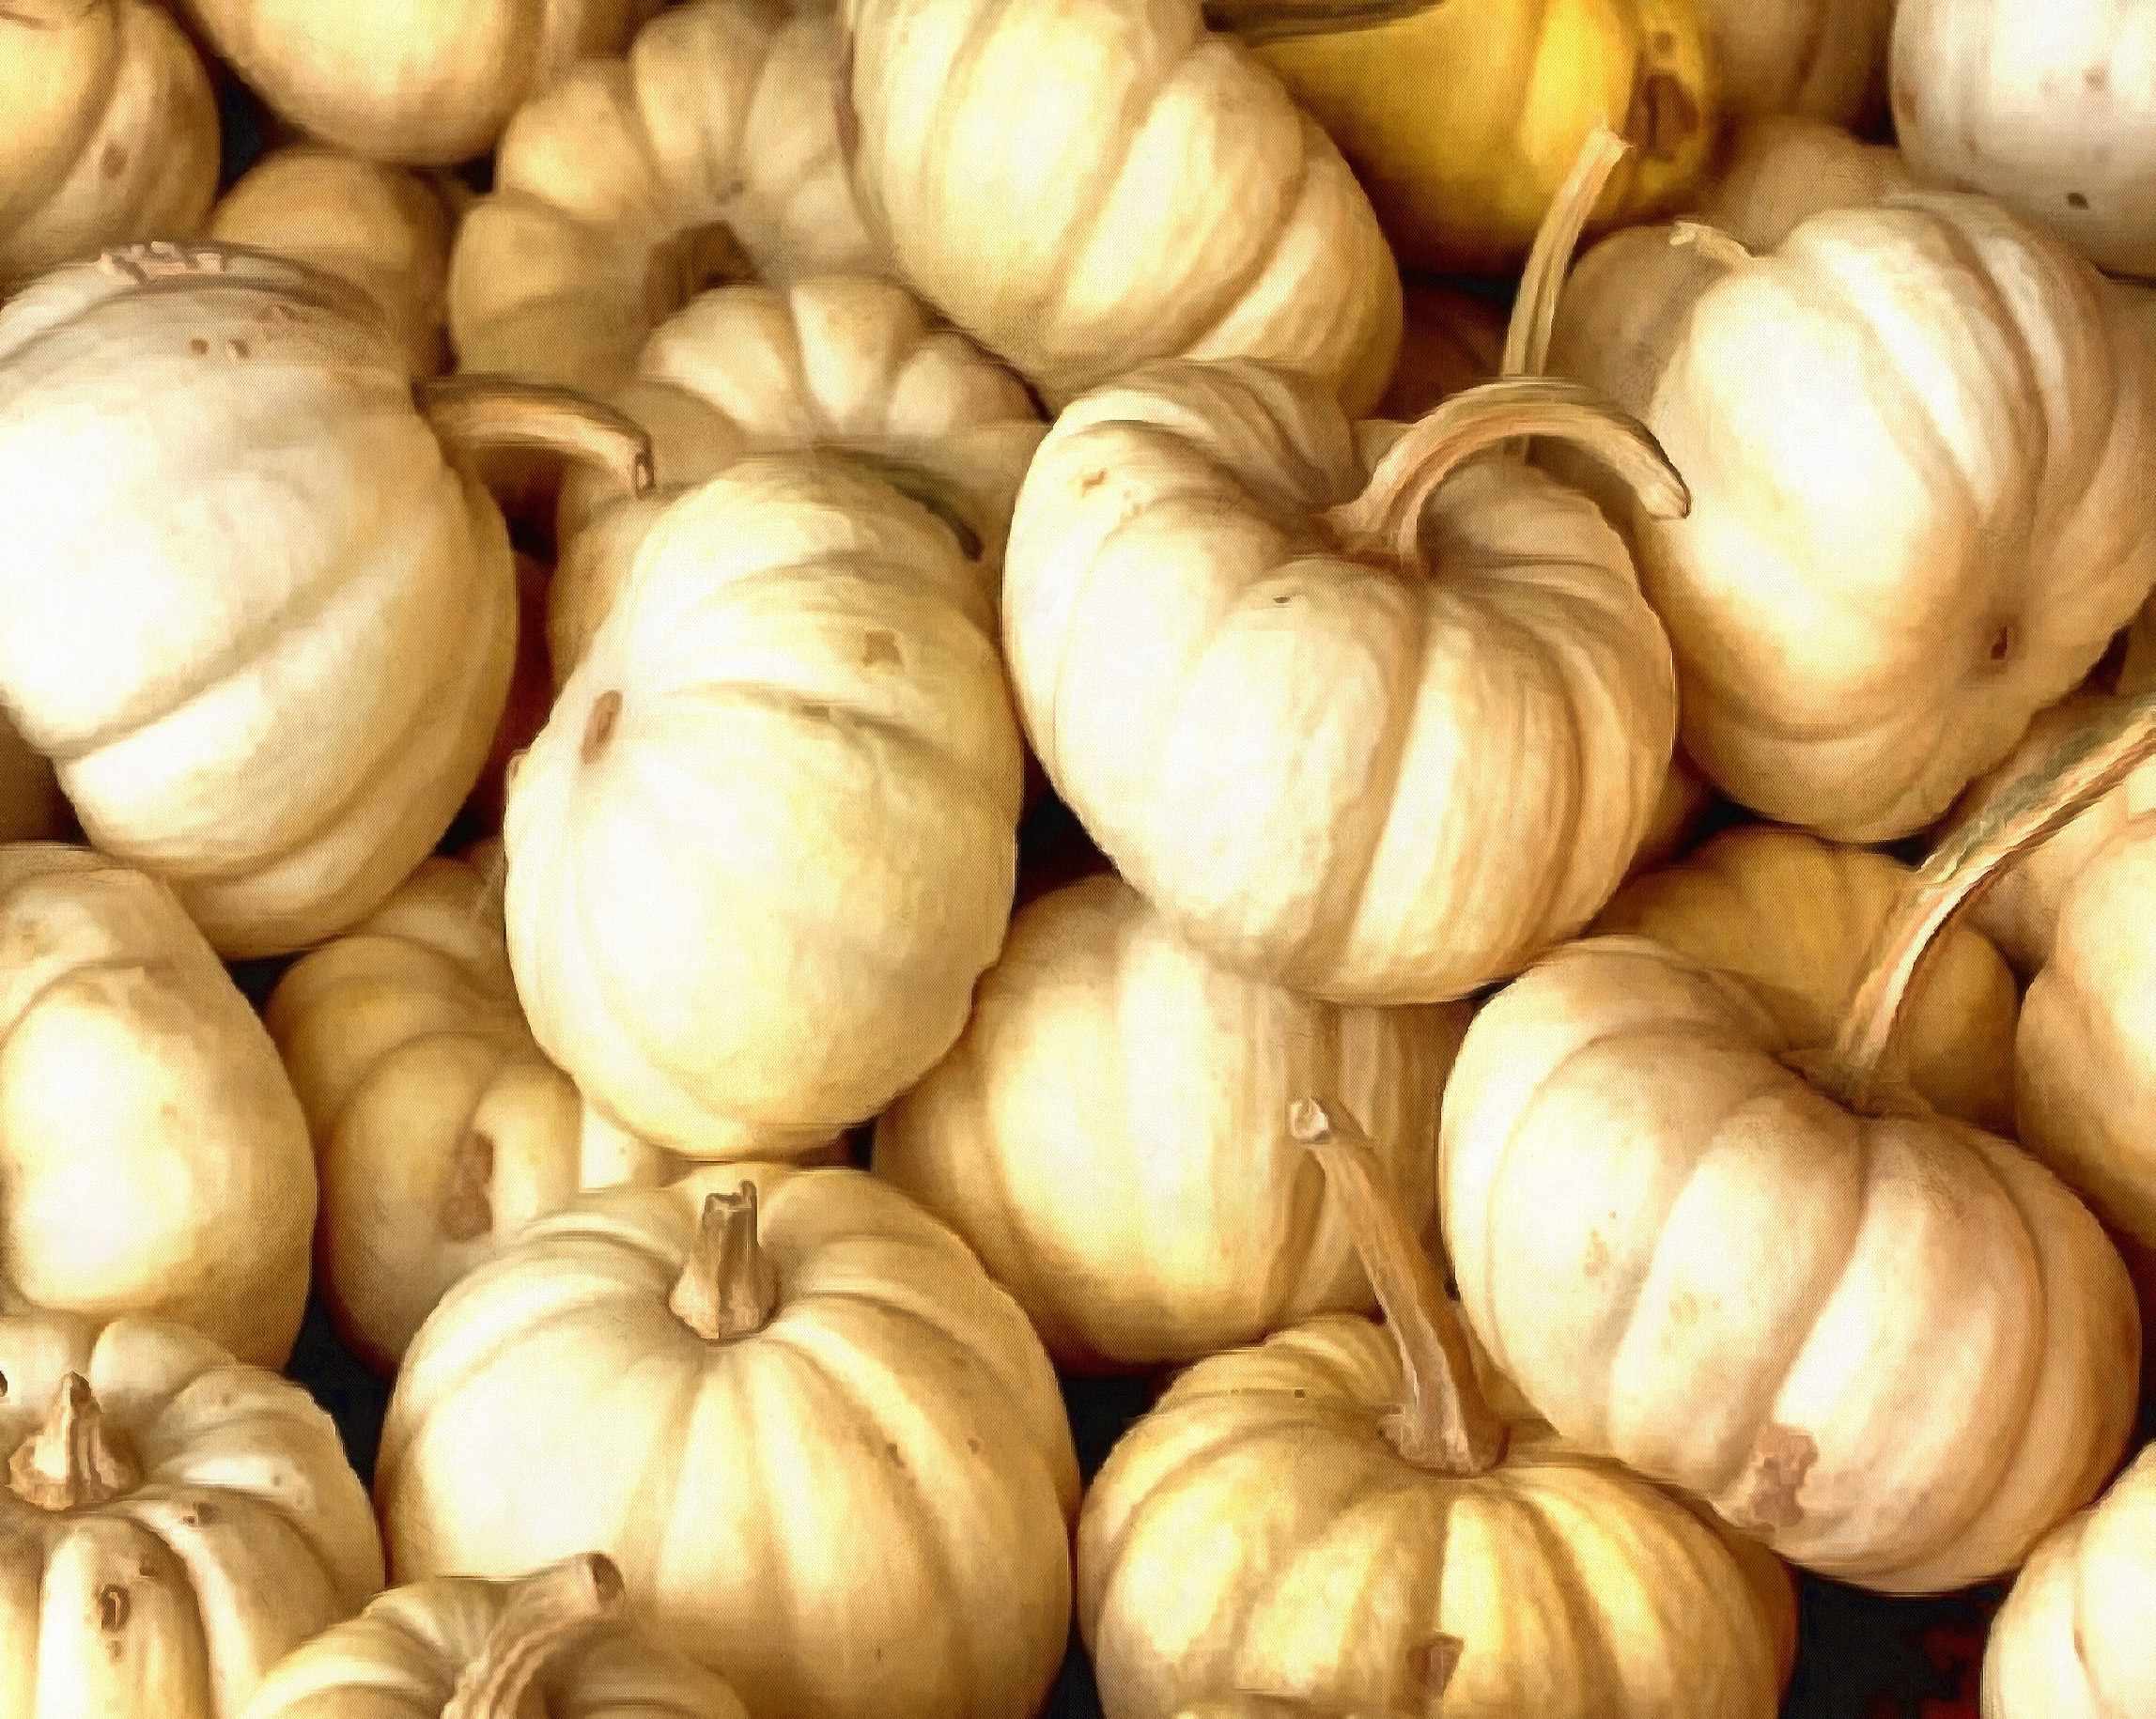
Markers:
(1258, 22)
(2013, 817)
(74, 1460)
(1556, 239)
(1711, 242)
(1447, 1424)
(477, 413)
(729, 1289)
(1386, 518)
(548, 1614)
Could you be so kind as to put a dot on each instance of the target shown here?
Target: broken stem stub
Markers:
(728, 1288)
(74, 1461)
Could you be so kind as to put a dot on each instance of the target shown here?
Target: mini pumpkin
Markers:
(417, 82)
(1798, 916)
(704, 152)
(789, 1400)
(1014, 161)
(801, 670)
(440, 1127)
(2071, 1641)
(112, 132)
(267, 610)
(2049, 110)
(461, 1648)
(385, 230)
(1343, 1514)
(1395, 723)
(1104, 1133)
(1824, 59)
(175, 1180)
(172, 1522)
(1752, 1264)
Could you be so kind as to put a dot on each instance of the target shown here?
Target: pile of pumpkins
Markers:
(1603, 1044)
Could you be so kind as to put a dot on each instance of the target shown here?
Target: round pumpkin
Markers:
(172, 1522)
(1462, 116)
(704, 152)
(1798, 916)
(1087, 185)
(1452, 339)
(440, 1128)
(418, 82)
(1852, 652)
(265, 612)
(827, 1451)
(2051, 110)
(1824, 59)
(155, 1160)
(383, 229)
(2071, 1641)
(845, 361)
(460, 1647)
(111, 135)
(766, 841)
(1344, 1516)
(1106, 1133)
(1752, 1264)
(1783, 169)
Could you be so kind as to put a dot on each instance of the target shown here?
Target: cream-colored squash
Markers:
(263, 611)
(171, 1523)
(462, 1648)
(385, 230)
(845, 362)
(1917, 437)
(706, 152)
(1799, 916)
(2050, 108)
(1825, 59)
(1346, 1514)
(110, 132)
(1781, 170)
(766, 841)
(1748, 1263)
(2071, 1641)
(1088, 185)
(440, 1127)
(827, 1449)
(155, 1160)
(1106, 1133)
(419, 80)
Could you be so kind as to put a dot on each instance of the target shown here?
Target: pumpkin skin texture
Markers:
(281, 720)
(440, 1127)
(707, 150)
(178, 1182)
(840, 361)
(1106, 1134)
(1371, 777)
(886, 1451)
(112, 130)
(802, 664)
(2050, 111)
(416, 1650)
(419, 82)
(383, 229)
(2071, 1641)
(1791, 912)
(172, 1522)
(1850, 667)
(1824, 59)
(1121, 129)
(1462, 116)
(1452, 339)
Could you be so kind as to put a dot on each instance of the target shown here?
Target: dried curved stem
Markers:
(550, 1614)
(1557, 241)
(1445, 1424)
(729, 1289)
(2015, 816)
(475, 413)
(1711, 242)
(1258, 22)
(74, 1460)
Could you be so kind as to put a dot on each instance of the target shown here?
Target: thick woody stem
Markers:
(1257, 21)
(74, 1461)
(549, 1614)
(1445, 1425)
(2015, 816)
(729, 1289)
(1386, 518)
(478, 413)
(1534, 312)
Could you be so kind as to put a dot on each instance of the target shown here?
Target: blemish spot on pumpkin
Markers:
(239, 349)
(879, 648)
(467, 1203)
(112, 158)
(600, 724)
(2002, 645)
(1664, 41)
(1091, 481)
(1431, 1663)
(199, 347)
(1594, 1258)
(1683, 1308)
(113, 1608)
(2074, 199)
(1663, 117)
(2097, 78)
(1779, 1462)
